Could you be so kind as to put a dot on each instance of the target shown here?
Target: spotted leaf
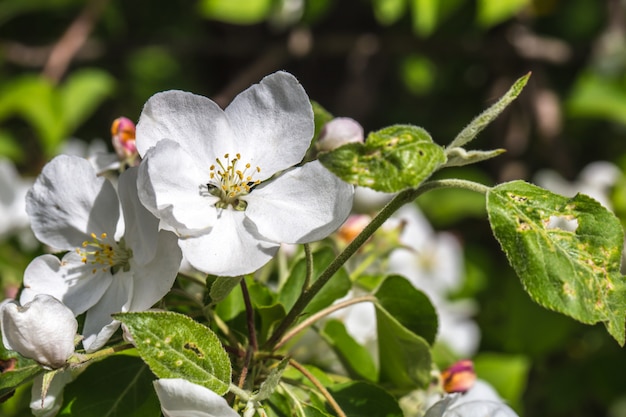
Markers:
(175, 346)
(566, 251)
(392, 159)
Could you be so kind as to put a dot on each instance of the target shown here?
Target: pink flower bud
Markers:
(459, 377)
(339, 131)
(123, 138)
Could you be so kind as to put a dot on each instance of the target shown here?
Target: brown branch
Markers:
(72, 40)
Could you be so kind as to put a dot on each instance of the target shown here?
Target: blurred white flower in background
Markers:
(595, 180)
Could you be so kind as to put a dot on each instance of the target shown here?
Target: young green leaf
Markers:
(10, 380)
(409, 306)
(392, 159)
(404, 357)
(363, 399)
(458, 157)
(355, 358)
(566, 251)
(117, 386)
(481, 121)
(175, 346)
(273, 379)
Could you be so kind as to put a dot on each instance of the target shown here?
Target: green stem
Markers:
(320, 314)
(308, 254)
(398, 201)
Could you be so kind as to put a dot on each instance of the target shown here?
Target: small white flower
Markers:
(433, 262)
(42, 329)
(13, 188)
(223, 179)
(595, 180)
(181, 398)
(110, 268)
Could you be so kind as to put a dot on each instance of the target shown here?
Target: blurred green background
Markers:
(69, 67)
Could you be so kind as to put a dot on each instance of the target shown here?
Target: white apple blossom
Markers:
(225, 181)
(50, 404)
(13, 189)
(181, 398)
(594, 180)
(109, 268)
(42, 329)
(480, 401)
(433, 262)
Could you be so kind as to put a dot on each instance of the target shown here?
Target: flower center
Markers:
(230, 180)
(105, 254)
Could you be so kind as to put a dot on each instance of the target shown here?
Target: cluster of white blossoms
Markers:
(223, 188)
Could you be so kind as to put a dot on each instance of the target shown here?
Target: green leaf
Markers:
(175, 346)
(481, 121)
(13, 379)
(35, 100)
(221, 287)
(336, 288)
(598, 97)
(321, 116)
(425, 16)
(388, 12)
(404, 357)
(363, 399)
(82, 92)
(460, 157)
(491, 12)
(355, 358)
(409, 306)
(118, 386)
(240, 12)
(273, 379)
(506, 373)
(392, 159)
(566, 251)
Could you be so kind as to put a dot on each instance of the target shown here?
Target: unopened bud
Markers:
(43, 329)
(459, 377)
(339, 131)
(123, 138)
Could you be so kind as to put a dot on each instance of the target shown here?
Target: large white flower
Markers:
(110, 268)
(223, 179)
(181, 398)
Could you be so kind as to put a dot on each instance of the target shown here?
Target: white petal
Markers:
(70, 281)
(42, 329)
(68, 202)
(181, 398)
(153, 280)
(273, 123)
(99, 325)
(169, 186)
(141, 227)
(197, 123)
(230, 249)
(302, 205)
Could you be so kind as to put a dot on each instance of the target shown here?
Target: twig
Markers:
(322, 389)
(72, 40)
